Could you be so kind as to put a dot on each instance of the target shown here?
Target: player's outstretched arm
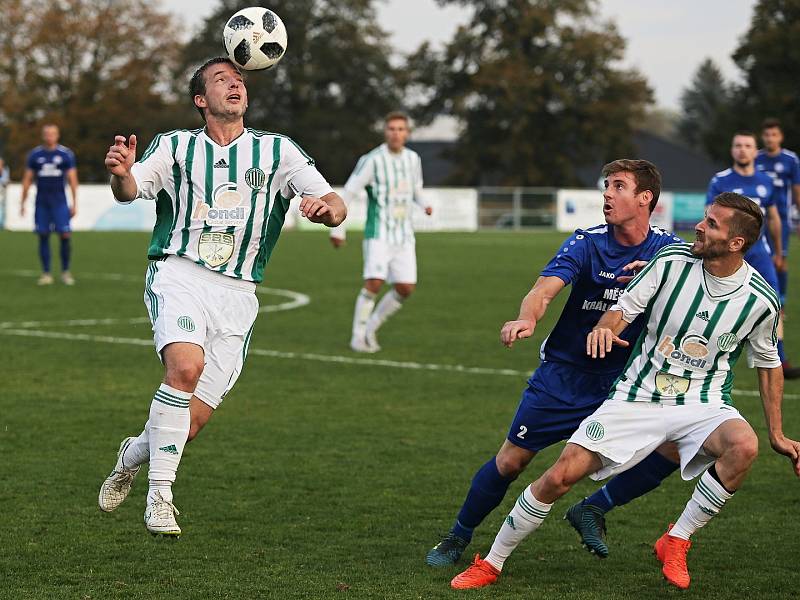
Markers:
(532, 309)
(329, 210)
(606, 334)
(770, 384)
(119, 160)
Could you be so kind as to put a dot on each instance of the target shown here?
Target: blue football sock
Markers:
(783, 281)
(44, 252)
(781, 354)
(485, 494)
(65, 254)
(635, 482)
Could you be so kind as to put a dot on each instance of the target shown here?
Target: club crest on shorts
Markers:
(594, 431)
(215, 248)
(255, 178)
(186, 323)
(669, 384)
(727, 342)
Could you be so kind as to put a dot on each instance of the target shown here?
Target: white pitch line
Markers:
(330, 358)
(295, 300)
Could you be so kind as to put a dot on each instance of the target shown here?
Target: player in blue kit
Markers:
(766, 256)
(568, 386)
(52, 165)
(784, 168)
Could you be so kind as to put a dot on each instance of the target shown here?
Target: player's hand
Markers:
(790, 449)
(780, 263)
(516, 330)
(337, 242)
(22, 209)
(429, 210)
(315, 210)
(600, 340)
(121, 156)
(73, 210)
(634, 267)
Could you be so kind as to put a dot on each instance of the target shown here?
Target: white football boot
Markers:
(159, 517)
(372, 341)
(117, 485)
(359, 344)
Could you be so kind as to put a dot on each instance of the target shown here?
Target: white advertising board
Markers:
(578, 209)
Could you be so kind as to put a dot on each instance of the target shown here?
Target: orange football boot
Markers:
(671, 551)
(479, 574)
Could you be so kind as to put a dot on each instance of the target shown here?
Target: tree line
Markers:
(537, 86)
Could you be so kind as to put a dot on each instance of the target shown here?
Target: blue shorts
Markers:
(761, 261)
(558, 398)
(52, 215)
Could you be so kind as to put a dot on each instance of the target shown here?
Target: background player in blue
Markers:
(743, 178)
(784, 168)
(52, 165)
(568, 386)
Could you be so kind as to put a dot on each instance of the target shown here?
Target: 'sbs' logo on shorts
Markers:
(594, 431)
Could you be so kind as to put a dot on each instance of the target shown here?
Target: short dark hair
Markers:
(645, 174)
(771, 123)
(747, 218)
(396, 115)
(745, 133)
(197, 84)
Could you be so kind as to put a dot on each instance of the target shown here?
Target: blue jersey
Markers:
(784, 168)
(759, 188)
(591, 260)
(50, 168)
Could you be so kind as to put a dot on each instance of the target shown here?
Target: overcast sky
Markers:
(667, 39)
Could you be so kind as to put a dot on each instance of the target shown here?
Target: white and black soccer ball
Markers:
(255, 38)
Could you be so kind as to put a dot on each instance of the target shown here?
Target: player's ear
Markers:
(200, 101)
(736, 243)
(645, 198)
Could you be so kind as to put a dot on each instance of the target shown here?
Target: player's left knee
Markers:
(405, 289)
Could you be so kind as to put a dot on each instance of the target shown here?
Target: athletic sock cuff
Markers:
(709, 484)
(367, 294)
(171, 397)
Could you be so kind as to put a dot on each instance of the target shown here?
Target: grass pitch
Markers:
(319, 478)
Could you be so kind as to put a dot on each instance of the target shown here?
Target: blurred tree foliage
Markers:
(538, 88)
(94, 68)
(708, 113)
(331, 89)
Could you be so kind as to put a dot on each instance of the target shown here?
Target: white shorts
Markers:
(624, 433)
(188, 303)
(393, 263)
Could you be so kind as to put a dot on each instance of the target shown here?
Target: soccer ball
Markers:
(255, 38)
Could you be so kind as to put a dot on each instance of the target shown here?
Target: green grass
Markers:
(327, 480)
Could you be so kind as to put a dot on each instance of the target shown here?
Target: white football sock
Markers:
(364, 305)
(707, 499)
(525, 518)
(169, 428)
(138, 451)
(389, 305)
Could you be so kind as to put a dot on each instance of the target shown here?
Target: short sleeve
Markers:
(70, 162)
(794, 171)
(712, 191)
(152, 170)
(361, 176)
(763, 342)
(302, 176)
(568, 263)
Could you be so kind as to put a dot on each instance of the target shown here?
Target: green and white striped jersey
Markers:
(393, 182)
(223, 206)
(697, 326)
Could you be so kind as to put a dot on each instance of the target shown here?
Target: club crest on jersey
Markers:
(691, 354)
(668, 384)
(727, 342)
(255, 178)
(227, 209)
(215, 248)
